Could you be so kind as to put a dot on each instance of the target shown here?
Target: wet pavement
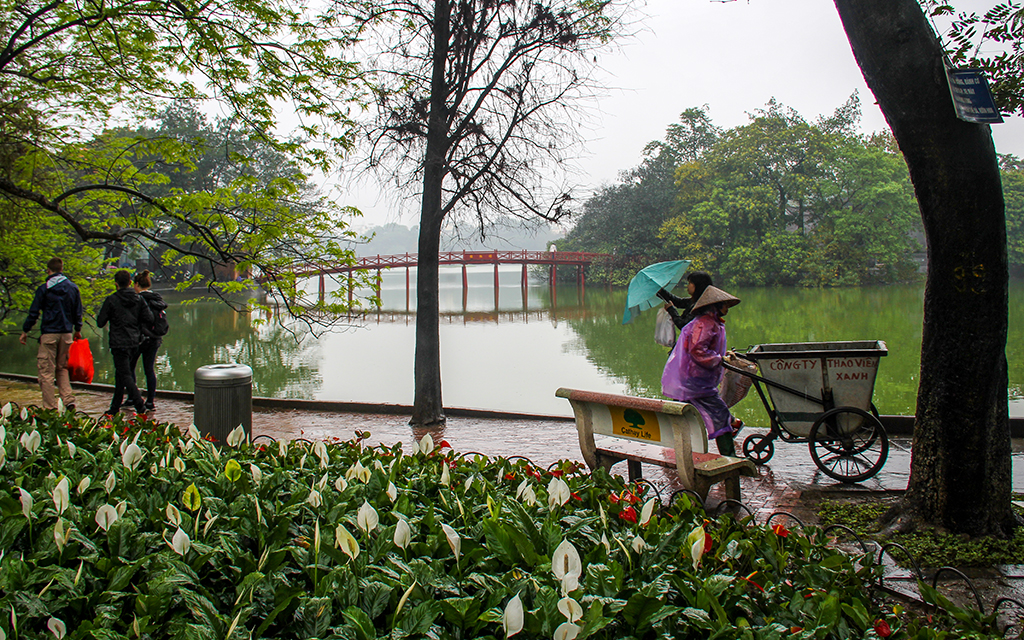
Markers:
(790, 483)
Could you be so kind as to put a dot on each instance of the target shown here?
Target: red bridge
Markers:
(464, 258)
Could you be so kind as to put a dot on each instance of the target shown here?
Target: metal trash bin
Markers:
(223, 400)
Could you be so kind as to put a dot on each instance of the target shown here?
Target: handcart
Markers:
(820, 393)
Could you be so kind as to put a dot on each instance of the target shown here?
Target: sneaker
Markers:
(737, 426)
(150, 407)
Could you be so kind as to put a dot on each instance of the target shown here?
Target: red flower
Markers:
(629, 513)
(707, 542)
(612, 498)
(748, 579)
(510, 476)
(882, 629)
(576, 496)
(444, 445)
(630, 498)
(780, 530)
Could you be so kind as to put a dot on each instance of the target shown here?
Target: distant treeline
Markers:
(778, 201)
(392, 238)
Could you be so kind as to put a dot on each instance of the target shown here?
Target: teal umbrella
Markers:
(644, 287)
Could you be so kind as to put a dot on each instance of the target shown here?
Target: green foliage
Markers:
(84, 174)
(129, 530)
(931, 547)
(1013, 196)
(779, 201)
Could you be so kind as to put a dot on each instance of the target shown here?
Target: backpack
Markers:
(160, 326)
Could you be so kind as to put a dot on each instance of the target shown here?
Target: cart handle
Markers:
(770, 383)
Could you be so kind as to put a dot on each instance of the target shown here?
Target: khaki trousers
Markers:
(52, 361)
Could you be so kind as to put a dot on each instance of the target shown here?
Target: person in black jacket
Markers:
(151, 337)
(60, 304)
(681, 309)
(127, 313)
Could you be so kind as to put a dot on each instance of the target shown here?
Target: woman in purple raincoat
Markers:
(694, 368)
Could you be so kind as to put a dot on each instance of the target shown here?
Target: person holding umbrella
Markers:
(694, 368)
(681, 309)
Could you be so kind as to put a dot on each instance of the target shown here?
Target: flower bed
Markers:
(130, 530)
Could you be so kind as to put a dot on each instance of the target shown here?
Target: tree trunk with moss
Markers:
(960, 475)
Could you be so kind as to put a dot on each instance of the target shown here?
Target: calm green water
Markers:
(509, 353)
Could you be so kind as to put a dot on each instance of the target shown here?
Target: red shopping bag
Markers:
(80, 361)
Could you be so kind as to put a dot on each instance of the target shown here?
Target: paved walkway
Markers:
(789, 483)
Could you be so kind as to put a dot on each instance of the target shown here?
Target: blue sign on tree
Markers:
(971, 96)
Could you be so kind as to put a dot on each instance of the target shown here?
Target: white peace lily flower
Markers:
(132, 456)
(24, 413)
(60, 536)
(340, 484)
(446, 479)
(116, 438)
(558, 492)
(153, 469)
(72, 449)
(60, 405)
(344, 541)
(121, 508)
(454, 541)
(522, 488)
(567, 566)
(426, 444)
(106, 515)
(320, 450)
(179, 465)
(6, 410)
(323, 482)
(529, 496)
(513, 617)
(214, 451)
(314, 499)
(193, 432)
(647, 511)
(468, 485)
(377, 465)
(403, 534)
(3, 433)
(3, 455)
(236, 436)
(282, 448)
(257, 475)
(180, 542)
(173, 515)
(638, 544)
(57, 628)
(189, 445)
(606, 543)
(110, 482)
(316, 539)
(61, 495)
(604, 517)
(302, 462)
(392, 492)
(358, 472)
(31, 441)
(83, 485)
(570, 609)
(26, 503)
(566, 631)
(367, 518)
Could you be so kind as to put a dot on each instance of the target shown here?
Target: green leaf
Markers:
(360, 622)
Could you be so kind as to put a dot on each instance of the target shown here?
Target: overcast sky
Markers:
(732, 56)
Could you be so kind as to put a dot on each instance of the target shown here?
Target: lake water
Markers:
(506, 351)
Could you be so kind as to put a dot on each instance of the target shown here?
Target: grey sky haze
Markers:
(732, 56)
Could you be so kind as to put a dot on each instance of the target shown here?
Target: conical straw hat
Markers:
(714, 295)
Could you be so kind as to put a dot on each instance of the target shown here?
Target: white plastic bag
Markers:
(664, 329)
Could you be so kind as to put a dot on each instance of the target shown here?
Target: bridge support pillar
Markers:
(554, 271)
(321, 288)
(524, 275)
(495, 277)
(465, 281)
(377, 287)
(580, 274)
(407, 288)
(350, 287)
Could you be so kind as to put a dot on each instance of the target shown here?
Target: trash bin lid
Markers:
(224, 373)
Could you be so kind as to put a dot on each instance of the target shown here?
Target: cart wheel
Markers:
(758, 448)
(853, 456)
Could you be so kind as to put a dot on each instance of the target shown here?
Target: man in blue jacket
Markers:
(60, 304)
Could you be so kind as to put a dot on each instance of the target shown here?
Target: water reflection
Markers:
(511, 349)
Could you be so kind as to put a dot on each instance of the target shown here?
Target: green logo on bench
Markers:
(634, 423)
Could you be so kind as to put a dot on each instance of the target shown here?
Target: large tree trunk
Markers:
(960, 473)
(427, 408)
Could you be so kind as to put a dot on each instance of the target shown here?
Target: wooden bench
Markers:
(661, 432)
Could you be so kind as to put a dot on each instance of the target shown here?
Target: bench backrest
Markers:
(676, 425)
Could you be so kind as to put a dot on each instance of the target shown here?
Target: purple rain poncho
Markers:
(694, 371)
